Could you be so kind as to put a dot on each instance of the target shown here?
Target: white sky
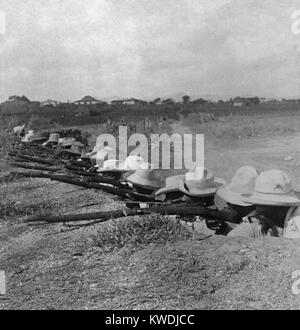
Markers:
(65, 49)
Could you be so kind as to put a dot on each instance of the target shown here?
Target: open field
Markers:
(71, 115)
(133, 264)
(258, 140)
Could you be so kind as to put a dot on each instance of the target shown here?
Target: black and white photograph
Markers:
(149, 157)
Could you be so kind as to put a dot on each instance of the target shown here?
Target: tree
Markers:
(22, 98)
(255, 100)
(186, 99)
(157, 100)
(200, 101)
(168, 101)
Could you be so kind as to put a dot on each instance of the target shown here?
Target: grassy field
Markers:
(71, 115)
(152, 262)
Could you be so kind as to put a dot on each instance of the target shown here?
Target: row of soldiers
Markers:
(260, 204)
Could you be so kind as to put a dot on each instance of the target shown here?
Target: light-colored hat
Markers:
(171, 185)
(272, 187)
(28, 137)
(133, 163)
(112, 165)
(200, 181)
(74, 150)
(78, 144)
(145, 178)
(66, 142)
(54, 137)
(38, 137)
(19, 129)
(243, 182)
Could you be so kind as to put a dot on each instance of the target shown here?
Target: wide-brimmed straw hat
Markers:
(54, 137)
(145, 178)
(112, 165)
(28, 136)
(19, 129)
(31, 136)
(133, 162)
(200, 182)
(66, 142)
(243, 182)
(272, 187)
(171, 184)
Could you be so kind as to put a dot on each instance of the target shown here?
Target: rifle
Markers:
(108, 215)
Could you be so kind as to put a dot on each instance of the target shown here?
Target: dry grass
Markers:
(199, 118)
(139, 231)
(11, 208)
(25, 198)
(7, 139)
(41, 122)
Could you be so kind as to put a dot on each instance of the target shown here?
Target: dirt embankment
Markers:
(58, 268)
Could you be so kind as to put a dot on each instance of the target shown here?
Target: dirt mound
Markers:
(53, 267)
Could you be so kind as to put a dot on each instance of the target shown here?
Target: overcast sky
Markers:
(65, 49)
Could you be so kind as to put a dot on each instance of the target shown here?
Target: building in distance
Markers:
(88, 100)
